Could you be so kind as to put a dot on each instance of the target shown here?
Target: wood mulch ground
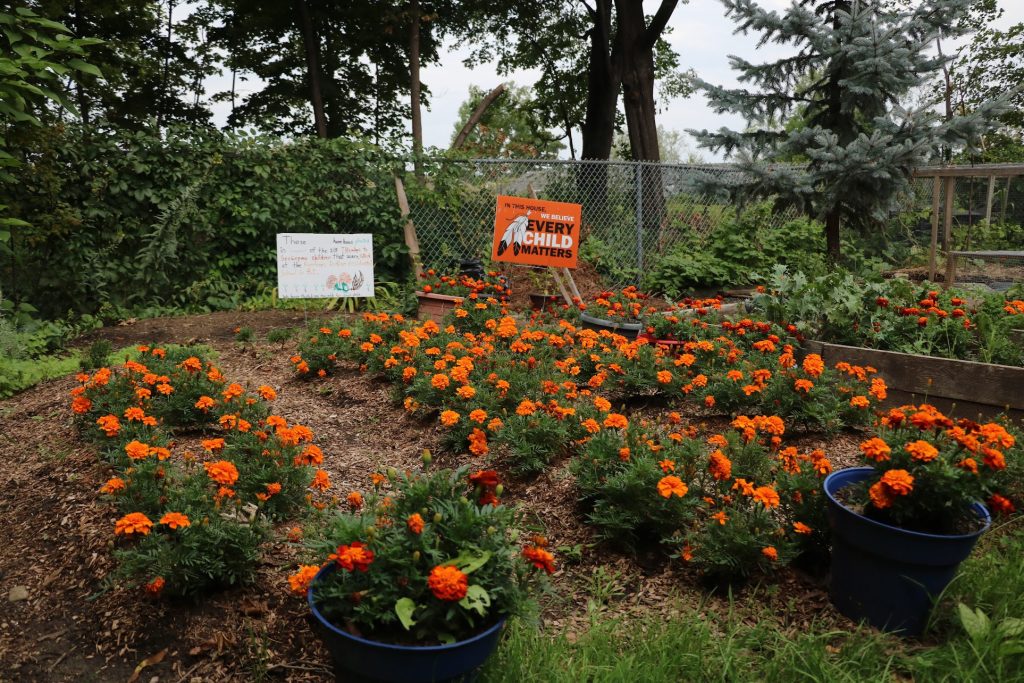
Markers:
(56, 540)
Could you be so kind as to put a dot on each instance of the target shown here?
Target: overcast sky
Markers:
(701, 35)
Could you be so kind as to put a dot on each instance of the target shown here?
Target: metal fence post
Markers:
(639, 217)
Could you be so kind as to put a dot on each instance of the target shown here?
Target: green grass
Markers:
(749, 639)
(16, 375)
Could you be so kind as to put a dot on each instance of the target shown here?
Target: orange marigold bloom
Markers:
(133, 523)
(273, 488)
(616, 421)
(591, 425)
(266, 392)
(899, 482)
(137, 450)
(466, 392)
(478, 442)
(355, 557)
(447, 583)
(192, 364)
(415, 523)
(310, 455)
(222, 472)
(672, 486)
(526, 407)
(165, 389)
(922, 450)
(720, 466)
(664, 377)
(878, 389)
(175, 520)
(479, 416)
(770, 552)
(109, 424)
(720, 517)
(113, 485)
(233, 391)
(156, 586)
(801, 528)
(321, 481)
(767, 496)
(813, 365)
(440, 381)
(213, 445)
(540, 558)
(881, 496)
(876, 449)
(449, 418)
(300, 580)
(80, 405)
(709, 401)
(804, 385)
(667, 466)
(602, 404)
(355, 499)
(860, 402)
(1001, 504)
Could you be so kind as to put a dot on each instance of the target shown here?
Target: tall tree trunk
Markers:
(415, 17)
(309, 39)
(164, 97)
(603, 82)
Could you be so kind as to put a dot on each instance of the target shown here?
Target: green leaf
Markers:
(469, 562)
(477, 598)
(446, 638)
(85, 67)
(404, 609)
(975, 622)
(1010, 627)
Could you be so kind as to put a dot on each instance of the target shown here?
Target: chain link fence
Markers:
(635, 213)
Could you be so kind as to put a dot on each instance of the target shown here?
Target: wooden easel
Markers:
(569, 285)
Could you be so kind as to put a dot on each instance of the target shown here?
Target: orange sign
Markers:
(536, 232)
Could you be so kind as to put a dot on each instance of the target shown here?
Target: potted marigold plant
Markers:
(419, 576)
(620, 312)
(439, 294)
(902, 525)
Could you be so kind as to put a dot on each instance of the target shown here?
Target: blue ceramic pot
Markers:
(886, 575)
(360, 659)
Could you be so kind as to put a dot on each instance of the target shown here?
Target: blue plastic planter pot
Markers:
(885, 575)
(591, 322)
(359, 659)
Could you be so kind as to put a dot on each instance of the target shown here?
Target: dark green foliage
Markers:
(130, 219)
(736, 251)
(97, 354)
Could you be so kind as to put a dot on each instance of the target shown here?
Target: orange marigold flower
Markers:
(300, 580)
(310, 455)
(415, 523)
(813, 365)
(767, 496)
(155, 587)
(354, 557)
(175, 520)
(720, 466)
(213, 445)
(899, 482)
(133, 523)
(616, 421)
(804, 385)
(770, 552)
(479, 416)
(109, 424)
(860, 402)
(720, 517)
(466, 392)
(922, 450)
(526, 407)
(222, 472)
(192, 364)
(478, 442)
(1001, 504)
(709, 401)
(881, 496)
(233, 391)
(321, 481)
(876, 449)
(137, 450)
(165, 389)
(355, 500)
(602, 404)
(672, 486)
(540, 558)
(440, 381)
(591, 425)
(667, 466)
(205, 403)
(80, 405)
(449, 418)
(447, 583)
(664, 377)
(266, 392)
(801, 528)
(113, 485)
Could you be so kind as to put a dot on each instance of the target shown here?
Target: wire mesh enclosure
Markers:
(636, 213)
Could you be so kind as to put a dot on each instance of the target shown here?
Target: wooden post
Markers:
(409, 229)
(936, 193)
(947, 237)
(1006, 198)
(991, 196)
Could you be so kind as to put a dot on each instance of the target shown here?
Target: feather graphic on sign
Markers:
(357, 281)
(513, 235)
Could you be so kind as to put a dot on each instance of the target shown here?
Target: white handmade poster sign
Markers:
(312, 266)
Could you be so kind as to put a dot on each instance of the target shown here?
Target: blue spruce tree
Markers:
(855, 63)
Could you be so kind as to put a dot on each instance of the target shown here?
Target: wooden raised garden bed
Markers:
(435, 306)
(973, 387)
